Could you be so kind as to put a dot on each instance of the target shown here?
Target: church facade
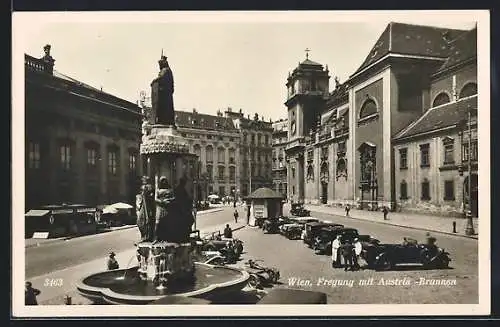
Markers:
(389, 124)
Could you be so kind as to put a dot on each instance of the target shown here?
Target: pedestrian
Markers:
(336, 256)
(347, 208)
(385, 211)
(347, 253)
(30, 294)
(358, 248)
(228, 233)
(236, 216)
(112, 263)
(248, 215)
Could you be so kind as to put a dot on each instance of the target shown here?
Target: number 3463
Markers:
(53, 282)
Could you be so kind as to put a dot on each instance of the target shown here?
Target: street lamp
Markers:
(469, 229)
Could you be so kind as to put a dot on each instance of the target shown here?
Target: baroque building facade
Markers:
(234, 151)
(412, 90)
(81, 144)
(280, 138)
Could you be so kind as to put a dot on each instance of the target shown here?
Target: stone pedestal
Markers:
(164, 263)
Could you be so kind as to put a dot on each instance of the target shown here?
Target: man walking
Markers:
(347, 209)
(236, 215)
(385, 211)
(347, 253)
(248, 214)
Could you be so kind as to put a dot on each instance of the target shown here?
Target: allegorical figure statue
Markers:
(145, 209)
(184, 206)
(162, 90)
(164, 198)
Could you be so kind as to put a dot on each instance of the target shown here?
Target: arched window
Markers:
(197, 150)
(368, 108)
(210, 153)
(440, 99)
(468, 90)
(310, 172)
(221, 155)
(403, 190)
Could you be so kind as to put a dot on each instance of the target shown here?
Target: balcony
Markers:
(341, 131)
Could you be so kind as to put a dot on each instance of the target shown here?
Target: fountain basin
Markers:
(125, 286)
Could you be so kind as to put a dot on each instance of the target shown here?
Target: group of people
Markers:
(346, 254)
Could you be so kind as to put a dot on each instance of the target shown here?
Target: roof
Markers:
(265, 193)
(308, 62)
(447, 115)
(462, 49)
(412, 39)
(192, 119)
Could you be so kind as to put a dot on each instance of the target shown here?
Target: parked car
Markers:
(271, 225)
(299, 210)
(323, 243)
(261, 275)
(216, 242)
(387, 256)
(294, 230)
(313, 228)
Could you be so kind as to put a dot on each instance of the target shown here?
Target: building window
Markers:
(449, 191)
(252, 139)
(266, 139)
(465, 151)
(65, 152)
(441, 99)
(293, 190)
(232, 155)
(449, 151)
(403, 190)
(232, 173)
(368, 108)
(310, 173)
(210, 172)
(221, 172)
(293, 172)
(91, 157)
(222, 190)
(34, 155)
(426, 195)
(210, 154)
(468, 90)
(221, 155)
(424, 155)
(403, 158)
(112, 162)
(132, 162)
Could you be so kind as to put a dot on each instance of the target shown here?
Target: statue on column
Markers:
(162, 90)
(145, 209)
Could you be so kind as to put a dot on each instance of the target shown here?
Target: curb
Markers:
(405, 226)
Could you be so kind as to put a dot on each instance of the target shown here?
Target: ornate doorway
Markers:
(368, 177)
(474, 194)
(324, 176)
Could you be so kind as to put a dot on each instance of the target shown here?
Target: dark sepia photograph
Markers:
(234, 160)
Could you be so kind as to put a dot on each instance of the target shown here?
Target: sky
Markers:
(218, 60)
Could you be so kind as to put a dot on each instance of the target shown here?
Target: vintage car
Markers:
(312, 229)
(294, 230)
(271, 225)
(387, 256)
(216, 242)
(323, 242)
(260, 275)
(299, 210)
(215, 258)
